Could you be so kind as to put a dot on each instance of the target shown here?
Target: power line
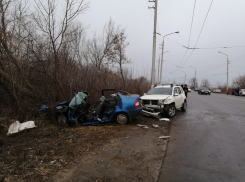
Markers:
(199, 33)
(190, 32)
(225, 47)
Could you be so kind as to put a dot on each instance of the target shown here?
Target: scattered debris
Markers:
(143, 126)
(155, 126)
(164, 119)
(53, 161)
(73, 136)
(17, 126)
(164, 137)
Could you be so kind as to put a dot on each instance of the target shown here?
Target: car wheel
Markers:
(184, 107)
(171, 111)
(61, 120)
(121, 118)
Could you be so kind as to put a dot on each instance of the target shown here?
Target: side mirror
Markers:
(176, 94)
(144, 94)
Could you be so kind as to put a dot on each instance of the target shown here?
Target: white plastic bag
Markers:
(17, 126)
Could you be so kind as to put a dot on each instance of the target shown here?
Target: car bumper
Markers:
(205, 93)
(153, 111)
(147, 113)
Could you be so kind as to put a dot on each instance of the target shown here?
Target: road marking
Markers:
(233, 99)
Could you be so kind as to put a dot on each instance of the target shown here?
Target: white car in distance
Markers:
(163, 99)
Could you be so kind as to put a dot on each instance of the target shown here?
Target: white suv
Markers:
(163, 99)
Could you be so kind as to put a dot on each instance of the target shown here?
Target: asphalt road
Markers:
(207, 141)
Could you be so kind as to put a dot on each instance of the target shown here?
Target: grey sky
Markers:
(224, 27)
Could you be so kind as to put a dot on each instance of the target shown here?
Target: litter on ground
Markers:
(164, 119)
(164, 137)
(17, 126)
(53, 161)
(155, 126)
(141, 125)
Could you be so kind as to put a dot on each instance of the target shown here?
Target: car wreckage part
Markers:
(121, 118)
(61, 120)
(144, 112)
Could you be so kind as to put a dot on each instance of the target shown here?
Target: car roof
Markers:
(165, 86)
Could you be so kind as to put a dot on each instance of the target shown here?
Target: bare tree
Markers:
(120, 57)
(56, 32)
(192, 83)
(239, 82)
(205, 83)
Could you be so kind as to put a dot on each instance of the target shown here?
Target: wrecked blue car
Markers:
(114, 105)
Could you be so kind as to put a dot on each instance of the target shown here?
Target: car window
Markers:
(181, 90)
(160, 91)
(176, 90)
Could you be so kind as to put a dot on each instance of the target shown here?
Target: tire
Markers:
(61, 120)
(121, 118)
(184, 107)
(171, 111)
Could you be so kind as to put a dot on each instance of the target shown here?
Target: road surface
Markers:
(207, 141)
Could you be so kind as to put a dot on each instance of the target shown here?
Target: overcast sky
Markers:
(224, 27)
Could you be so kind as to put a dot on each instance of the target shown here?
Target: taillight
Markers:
(137, 104)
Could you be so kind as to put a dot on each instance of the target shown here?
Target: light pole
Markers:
(185, 76)
(173, 75)
(162, 53)
(154, 46)
(158, 77)
(195, 76)
(227, 84)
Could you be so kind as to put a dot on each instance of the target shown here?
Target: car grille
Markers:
(150, 102)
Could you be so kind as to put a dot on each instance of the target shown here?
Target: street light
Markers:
(173, 75)
(162, 53)
(158, 77)
(195, 76)
(185, 76)
(227, 84)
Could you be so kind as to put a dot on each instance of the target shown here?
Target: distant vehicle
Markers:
(216, 90)
(204, 90)
(242, 92)
(189, 90)
(196, 89)
(235, 92)
(163, 99)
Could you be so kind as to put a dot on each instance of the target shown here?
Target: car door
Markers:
(178, 97)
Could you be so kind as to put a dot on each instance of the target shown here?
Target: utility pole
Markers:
(158, 70)
(185, 76)
(227, 74)
(227, 80)
(154, 45)
(163, 53)
(195, 76)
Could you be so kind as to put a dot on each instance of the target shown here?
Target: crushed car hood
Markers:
(154, 97)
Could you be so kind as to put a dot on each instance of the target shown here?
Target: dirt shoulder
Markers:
(89, 153)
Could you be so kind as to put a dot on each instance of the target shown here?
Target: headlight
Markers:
(160, 102)
(140, 102)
